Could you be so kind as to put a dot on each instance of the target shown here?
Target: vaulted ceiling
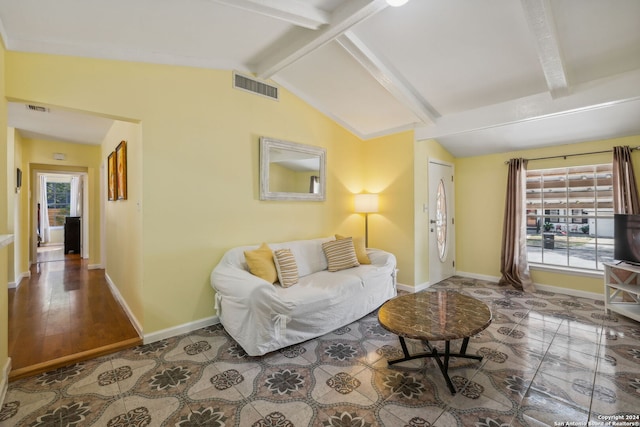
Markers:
(480, 76)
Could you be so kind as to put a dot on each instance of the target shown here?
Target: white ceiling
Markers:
(481, 76)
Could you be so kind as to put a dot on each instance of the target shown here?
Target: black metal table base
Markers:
(441, 359)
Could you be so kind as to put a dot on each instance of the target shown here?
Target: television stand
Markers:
(621, 278)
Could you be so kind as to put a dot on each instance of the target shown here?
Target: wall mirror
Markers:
(292, 171)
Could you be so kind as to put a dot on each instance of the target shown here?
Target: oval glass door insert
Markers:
(441, 220)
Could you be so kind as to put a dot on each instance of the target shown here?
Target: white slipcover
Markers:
(263, 317)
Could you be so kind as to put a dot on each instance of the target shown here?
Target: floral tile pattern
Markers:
(548, 359)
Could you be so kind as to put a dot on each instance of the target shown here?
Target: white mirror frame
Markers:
(267, 144)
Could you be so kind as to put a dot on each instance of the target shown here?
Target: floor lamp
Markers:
(366, 204)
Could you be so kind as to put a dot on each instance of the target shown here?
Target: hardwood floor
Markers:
(62, 314)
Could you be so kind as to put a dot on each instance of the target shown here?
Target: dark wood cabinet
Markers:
(72, 234)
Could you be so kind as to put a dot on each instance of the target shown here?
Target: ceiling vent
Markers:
(37, 108)
(255, 86)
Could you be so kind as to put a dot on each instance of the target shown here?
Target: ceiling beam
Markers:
(541, 23)
(600, 93)
(342, 19)
(388, 78)
(292, 11)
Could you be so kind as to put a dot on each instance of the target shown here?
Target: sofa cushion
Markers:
(286, 267)
(308, 254)
(260, 262)
(340, 254)
(359, 246)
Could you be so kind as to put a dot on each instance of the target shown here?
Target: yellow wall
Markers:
(11, 201)
(480, 196)
(18, 203)
(389, 170)
(37, 154)
(123, 220)
(199, 172)
(4, 323)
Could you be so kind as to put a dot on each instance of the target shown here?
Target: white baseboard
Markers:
(4, 381)
(23, 275)
(412, 289)
(571, 292)
(549, 288)
(181, 329)
(95, 267)
(165, 333)
(118, 296)
(478, 276)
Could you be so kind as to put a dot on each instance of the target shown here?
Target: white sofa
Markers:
(263, 317)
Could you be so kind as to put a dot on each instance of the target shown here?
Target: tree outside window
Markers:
(58, 202)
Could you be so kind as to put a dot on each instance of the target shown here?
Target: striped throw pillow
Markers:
(340, 254)
(286, 267)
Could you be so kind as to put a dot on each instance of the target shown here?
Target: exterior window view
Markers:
(58, 202)
(570, 216)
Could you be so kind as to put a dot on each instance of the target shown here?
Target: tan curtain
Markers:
(513, 262)
(625, 191)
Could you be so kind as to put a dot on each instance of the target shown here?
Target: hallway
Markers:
(63, 313)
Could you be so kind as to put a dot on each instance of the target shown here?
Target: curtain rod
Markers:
(564, 156)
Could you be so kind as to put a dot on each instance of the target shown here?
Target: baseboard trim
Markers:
(164, 333)
(185, 328)
(4, 381)
(413, 289)
(23, 275)
(95, 267)
(540, 286)
(478, 276)
(571, 292)
(118, 296)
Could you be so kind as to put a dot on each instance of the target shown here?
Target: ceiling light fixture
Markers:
(396, 3)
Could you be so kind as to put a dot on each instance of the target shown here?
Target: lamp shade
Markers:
(366, 203)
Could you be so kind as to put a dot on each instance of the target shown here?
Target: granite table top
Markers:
(435, 316)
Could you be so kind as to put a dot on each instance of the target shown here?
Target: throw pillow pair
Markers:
(279, 265)
(345, 252)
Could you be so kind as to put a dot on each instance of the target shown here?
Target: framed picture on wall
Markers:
(121, 170)
(111, 176)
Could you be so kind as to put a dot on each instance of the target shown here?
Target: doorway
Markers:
(441, 221)
(59, 196)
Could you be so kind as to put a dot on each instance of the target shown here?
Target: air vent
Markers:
(37, 108)
(254, 86)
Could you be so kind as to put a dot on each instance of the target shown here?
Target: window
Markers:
(58, 202)
(570, 216)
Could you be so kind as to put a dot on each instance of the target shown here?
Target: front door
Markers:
(441, 222)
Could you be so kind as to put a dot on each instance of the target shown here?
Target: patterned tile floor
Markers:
(549, 359)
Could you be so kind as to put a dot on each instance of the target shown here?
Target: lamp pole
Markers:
(366, 203)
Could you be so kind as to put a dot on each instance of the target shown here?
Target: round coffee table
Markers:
(435, 316)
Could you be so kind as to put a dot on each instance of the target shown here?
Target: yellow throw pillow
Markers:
(340, 254)
(286, 267)
(361, 250)
(260, 262)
